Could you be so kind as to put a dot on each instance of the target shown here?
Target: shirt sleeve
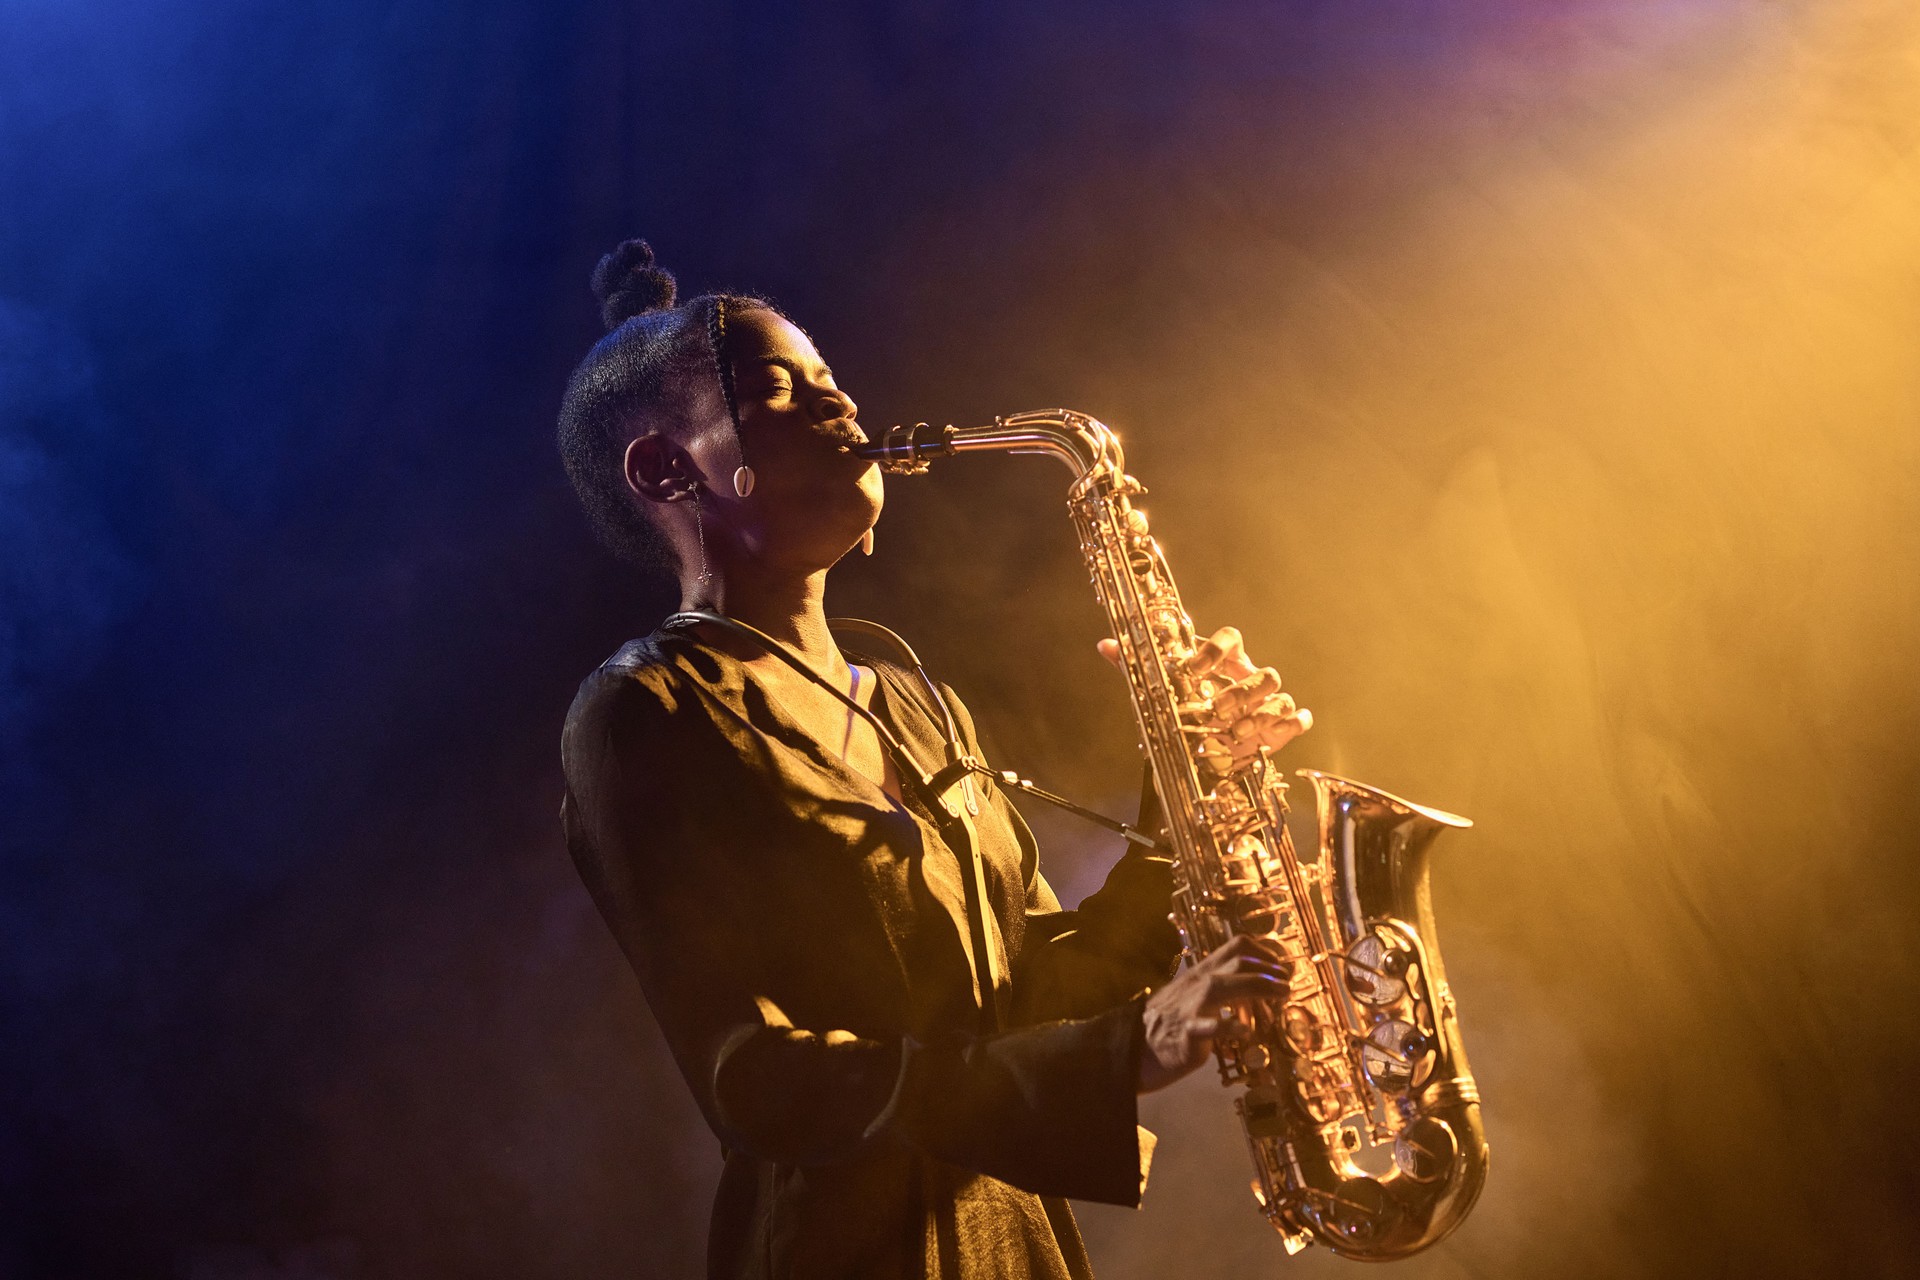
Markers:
(1116, 946)
(1048, 1108)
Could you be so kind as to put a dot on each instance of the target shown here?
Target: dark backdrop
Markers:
(1533, 380)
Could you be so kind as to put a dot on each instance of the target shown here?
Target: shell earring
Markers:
(743, 481)
(866, 543)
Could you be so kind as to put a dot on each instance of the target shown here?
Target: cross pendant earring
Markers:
(700, 531)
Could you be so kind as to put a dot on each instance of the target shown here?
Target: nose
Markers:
(835, 404)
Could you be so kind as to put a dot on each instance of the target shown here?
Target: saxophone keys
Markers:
(1376, 969)
(1357, 1211)
(1304, 1032)
(1425, 1150)
(1214, 752)
(1397, 1056)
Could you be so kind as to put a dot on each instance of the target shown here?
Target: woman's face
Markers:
(812, 499)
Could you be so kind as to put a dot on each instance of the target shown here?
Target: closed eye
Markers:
(766, 382)
(782, 375)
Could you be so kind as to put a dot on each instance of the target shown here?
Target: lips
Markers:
(844, 432)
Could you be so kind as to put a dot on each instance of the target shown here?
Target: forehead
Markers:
(759, 334)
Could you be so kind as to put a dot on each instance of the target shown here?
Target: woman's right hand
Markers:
(1182, 1017)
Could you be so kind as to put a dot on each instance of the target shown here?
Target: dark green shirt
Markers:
(803, 941)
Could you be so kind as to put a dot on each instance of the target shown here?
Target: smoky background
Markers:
(1534, 385)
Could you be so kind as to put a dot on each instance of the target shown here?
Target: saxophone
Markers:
(1359, 1109)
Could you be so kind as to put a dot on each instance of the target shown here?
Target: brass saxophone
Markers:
(1360, 1112)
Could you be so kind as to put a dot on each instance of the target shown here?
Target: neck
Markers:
(790, 608)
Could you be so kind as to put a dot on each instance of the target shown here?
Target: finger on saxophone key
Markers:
(1223, 649)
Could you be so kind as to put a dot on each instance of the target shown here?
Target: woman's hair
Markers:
(649, 372)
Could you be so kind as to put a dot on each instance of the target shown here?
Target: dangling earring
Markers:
(743, 481)
(866, 543)
(700, 531)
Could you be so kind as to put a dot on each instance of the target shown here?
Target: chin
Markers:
(873, 487)
(851, 522)
(818, 531)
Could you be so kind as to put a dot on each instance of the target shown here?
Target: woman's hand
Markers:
(1240, 704)
(1181, 1018)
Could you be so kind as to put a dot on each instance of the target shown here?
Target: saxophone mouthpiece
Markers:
(905, 450)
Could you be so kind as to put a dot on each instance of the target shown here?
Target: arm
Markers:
(1121, 938)
(1118, 944)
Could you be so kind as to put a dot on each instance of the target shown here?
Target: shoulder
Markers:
(649, 693)
(639, 671)
(636, 680)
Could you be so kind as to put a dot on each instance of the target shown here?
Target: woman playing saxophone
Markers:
(911, 1054)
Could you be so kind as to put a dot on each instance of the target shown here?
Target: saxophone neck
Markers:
(1086, 445)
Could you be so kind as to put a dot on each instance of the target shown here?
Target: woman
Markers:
(910, 1070)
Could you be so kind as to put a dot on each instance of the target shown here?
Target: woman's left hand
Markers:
(1240, 705)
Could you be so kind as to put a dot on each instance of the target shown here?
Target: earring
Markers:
(700, 532)
(743, 481)
(866, 543)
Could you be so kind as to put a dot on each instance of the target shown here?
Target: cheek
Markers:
(714, 453)
(777, 447)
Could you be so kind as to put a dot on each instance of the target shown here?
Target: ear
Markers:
(658, 469)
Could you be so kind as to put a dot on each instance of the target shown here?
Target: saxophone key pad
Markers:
(1396, 1056)
(1426, 1150)
(1377, 970)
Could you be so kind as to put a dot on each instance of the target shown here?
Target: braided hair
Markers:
(648, 373)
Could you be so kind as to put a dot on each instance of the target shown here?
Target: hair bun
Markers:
(628, 283)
